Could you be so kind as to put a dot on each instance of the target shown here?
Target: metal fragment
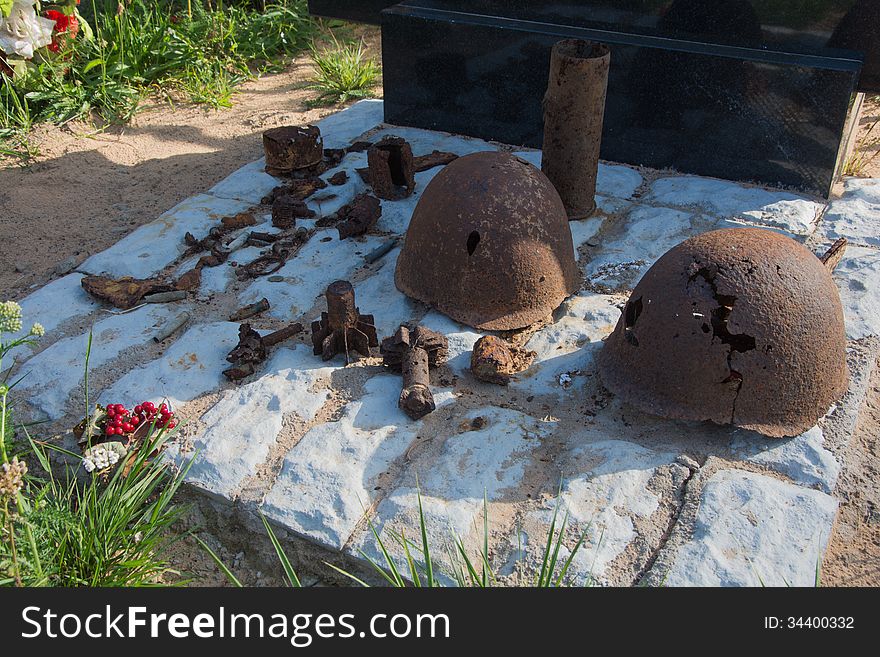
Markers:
(493, 360)
(391, 168)
(172, 327)
(250, 310)
(289, 148)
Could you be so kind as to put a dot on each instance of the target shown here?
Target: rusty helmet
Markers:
(489, 244)
(739, 326)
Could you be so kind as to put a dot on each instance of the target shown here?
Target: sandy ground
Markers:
(89, 188)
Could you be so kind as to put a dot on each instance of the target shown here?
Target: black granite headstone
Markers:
(753, 91)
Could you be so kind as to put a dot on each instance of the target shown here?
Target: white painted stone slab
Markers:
(397, 214)
(634, 244)
(726, 199)
(604, 487)
(802, 458)
(153, 246)
(752, 529)
(858, 279)
(191, 367)
(583, 230)
(307, 275)
(250, 183)
(856, 215)
(52, 305)
(331, 198)
(613, 181)
(243, 426)
(342, 128)
(327, 480)
(379, 297)
(488, 462)
(53, 374)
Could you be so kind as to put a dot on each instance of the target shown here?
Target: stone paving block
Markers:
(152, 247)
(473, 463)
(396, 214)
(250, 183)
(340, 129)
(243, 426)
(191, 367)
(604, 487)
(584, 230)
(753, 529)
(328, 478)
(52, 305)
(378, 296)
(632, 245)
(307, 275)
(56, 372)
(566, 348)
(854, 215)
(803, 458)
(730, 200)
(858, 279)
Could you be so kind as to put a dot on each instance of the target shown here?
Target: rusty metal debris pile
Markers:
(489, 244)
(738, 326)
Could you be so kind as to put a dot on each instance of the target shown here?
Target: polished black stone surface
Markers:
(828, 28)
(741, 113)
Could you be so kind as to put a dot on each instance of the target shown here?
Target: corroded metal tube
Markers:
(574, 108)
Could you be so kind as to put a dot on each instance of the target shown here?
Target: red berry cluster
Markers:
(121, 421)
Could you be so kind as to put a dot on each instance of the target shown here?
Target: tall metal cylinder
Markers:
(574, 108)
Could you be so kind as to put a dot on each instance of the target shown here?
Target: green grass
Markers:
(343, 72)
(198, 51)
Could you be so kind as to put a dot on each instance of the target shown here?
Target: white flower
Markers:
(38, 330)
(10, 317)
(23, 32)
(99, 458)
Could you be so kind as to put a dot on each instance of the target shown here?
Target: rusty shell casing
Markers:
(574, 110)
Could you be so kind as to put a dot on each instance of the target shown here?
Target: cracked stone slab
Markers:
(752, 205)
(490, 461)
(804, 458)
(856, 214)
(858, 280)
(52, 305)
(752, 530)
(605, 486)
(191, 366)
(244, 424)
(328, 478)
(153, 246)
(55, 373)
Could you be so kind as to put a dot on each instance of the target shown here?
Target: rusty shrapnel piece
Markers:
(739, 326)
(414, 353)
(253, 349)
(391, 168)
(359, 216)
(489, 244)
(286, 209)
(493, 360)
(342, 328)
(574, 110)
(290, 148)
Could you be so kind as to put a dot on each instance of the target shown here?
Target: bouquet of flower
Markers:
(31, 28)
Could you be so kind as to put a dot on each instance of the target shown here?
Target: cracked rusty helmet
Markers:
(739, 326)
(489, 244)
